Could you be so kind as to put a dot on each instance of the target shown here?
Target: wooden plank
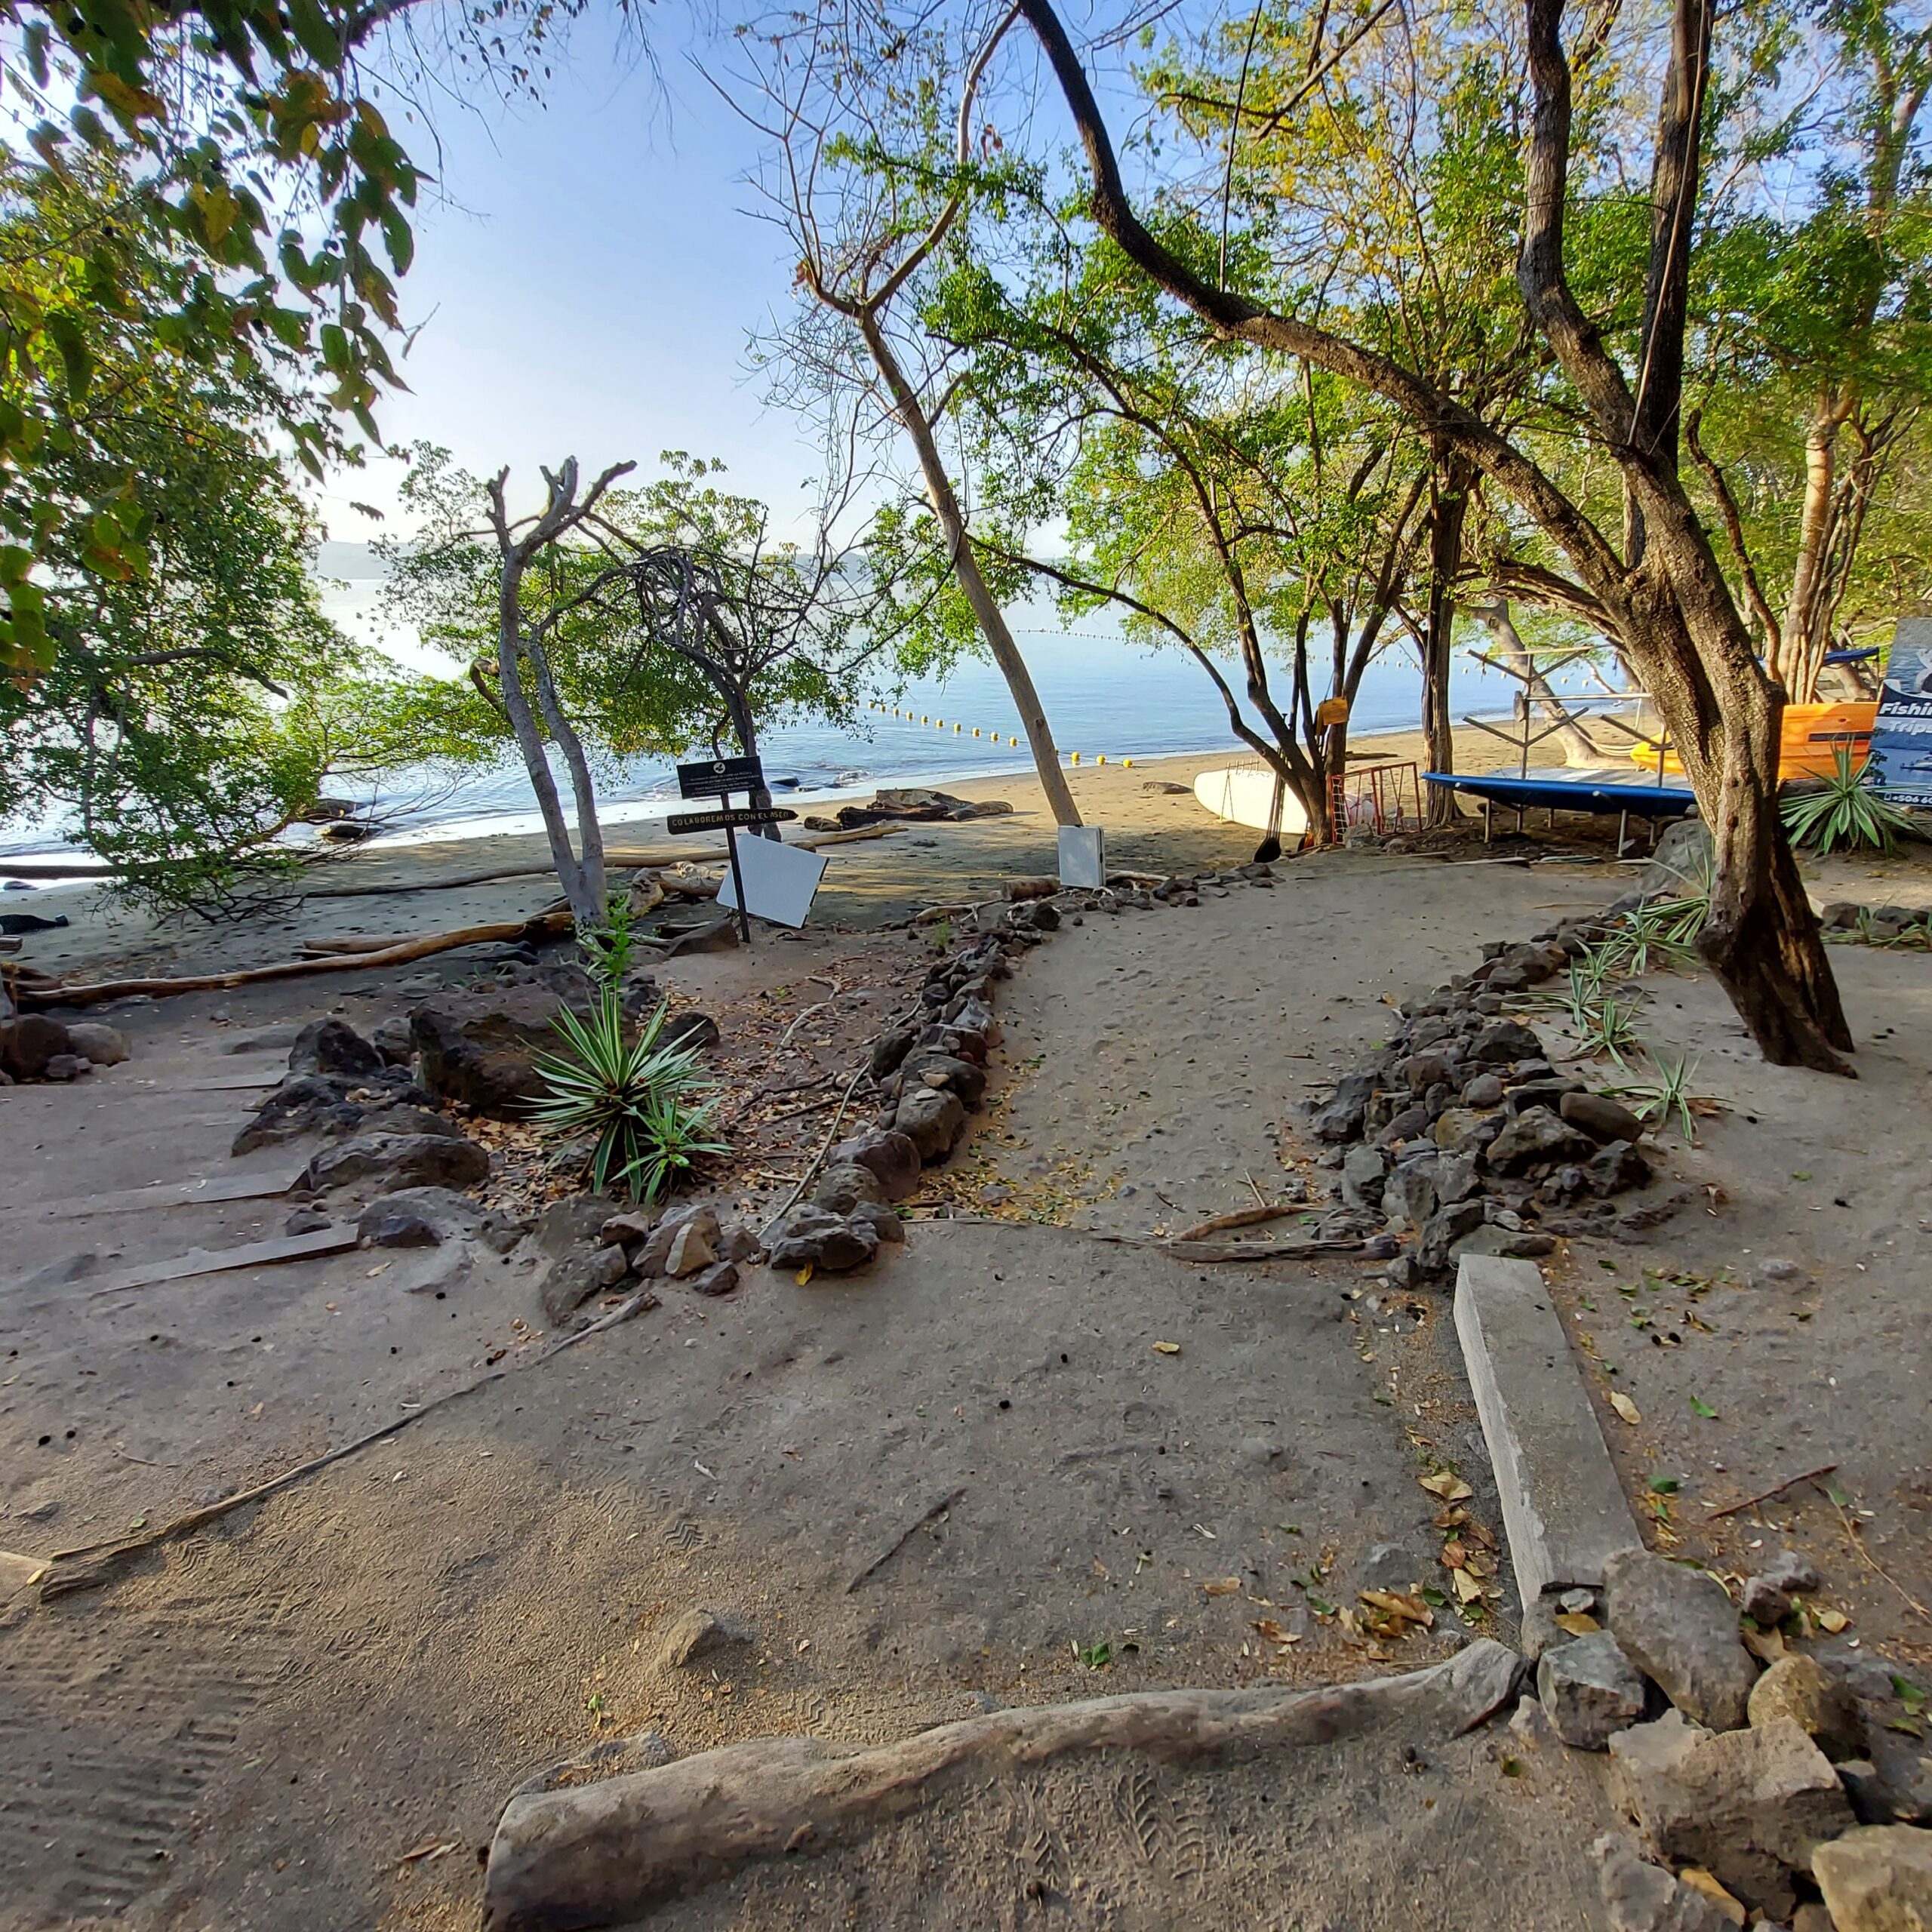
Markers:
(227, 1083)
(158, 1194)
(216, 1261)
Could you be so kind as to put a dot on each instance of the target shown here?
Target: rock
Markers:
(1535, 1136)
(1893, 1785)
(1641, 1897)
(397, 1120)
(693, 1246)
(1044, 915)
(306, 1103)
(399, 1161)
(65, 1067)
(1457, 1177)
(627, 1230)
(1504, 1041)
(1445, 1227)
(810, 1236)
(480, 1047)
(692, 1031)
(696, 1635)
(720, 1279)
(1591, 1689)
(1513, 1244)
(395, 1040)
(1341, 1119)
(1602, 1119)
(843, 1187)
(739, 1243)
(932, 1119)
(427, 1217)
(1421, 1071)
(1465, 1129)
(924, 1067)
(1749, 1807)
(1363, 1170)
(578, 1278)
(1410, 1123)
(29, 1041)
(888, 1050)
(1788, 1571)
(1483, 1092)
(1764, 1603)
(1677, 1626)
(1802, 1689)
(654, 1259)
(1393, 1566)
(891, 1157)
(885, 1223)
(333, 1046)
(95, 1042)
(1774, 1272)
(1616, 1168)
(1877, 1878)
(307, 1221)
(1408, 1195)
(717, 935)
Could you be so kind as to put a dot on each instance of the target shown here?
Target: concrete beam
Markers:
(1563, 1508)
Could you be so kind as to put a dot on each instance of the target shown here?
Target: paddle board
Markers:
(1244, 794)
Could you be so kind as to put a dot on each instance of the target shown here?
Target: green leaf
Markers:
(1703, 1408)
(75, 357)
(1664, 1485)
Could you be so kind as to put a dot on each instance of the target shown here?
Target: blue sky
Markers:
(587, 285)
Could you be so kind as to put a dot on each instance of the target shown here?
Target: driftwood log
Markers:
(54, 992)
(600, 1853)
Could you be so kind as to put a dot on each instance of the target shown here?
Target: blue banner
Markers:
(1901, 737)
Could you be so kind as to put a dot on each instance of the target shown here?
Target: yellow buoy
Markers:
(1016, 741)
(924, 719)
(961, 728)
(1076, 758)
(976, 730)
(1102, 759)
(1126, 761)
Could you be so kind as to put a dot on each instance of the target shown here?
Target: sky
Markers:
(585, 285)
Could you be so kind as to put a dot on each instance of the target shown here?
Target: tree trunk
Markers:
(583, 889)
(1576, 742)
(1451, 490)
(1792, 656)
(990, 619)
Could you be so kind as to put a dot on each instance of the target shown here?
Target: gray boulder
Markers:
(1534, 1137)
(891, 1157)
(1364, 1170)
(696, 1635)
(1749, 1807)
(1642, 1897)
(810, 1236)
(840, 1189)
(428, 1216)
(98, 1043)
(1503, 1042)
(1602, 1119)
(932, 1118)
(1445, 1227)
(1408, 1195)
(28, 1042)
(577, 1278)
(1877, 1878)
(480, 1047)
(1466, 1130)
(1591, 1689)
(1614, 1169)
(333, 1046)
(1677, 1626)
(398, 1161)
(1800, 1688)
(654, 1258)
(394, 1040)
(926, 1068)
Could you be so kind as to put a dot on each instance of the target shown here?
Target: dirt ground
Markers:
(920, 1492)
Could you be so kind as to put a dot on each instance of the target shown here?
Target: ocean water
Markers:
(1104, 695)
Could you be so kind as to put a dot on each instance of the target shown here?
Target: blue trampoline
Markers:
(1582, 789)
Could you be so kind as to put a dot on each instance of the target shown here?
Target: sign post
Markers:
(718, 778)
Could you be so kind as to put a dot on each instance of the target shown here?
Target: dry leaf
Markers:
(430, 1848)
(1767, 1646)
(1832, 1620)
(1166, 1348)
(1453, 1554)
(803, 1274)
(1273, 1633)
(1451, 1519)
(1399, 1605)
(1468, 1588)
(1701, 1881)
(1486, 1537)
(1222, 1586)
(1624, 1406)
(1578, 1623)
(1446, 1483)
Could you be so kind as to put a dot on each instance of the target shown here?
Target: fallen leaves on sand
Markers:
(1446, 1483)
(1273, 1633)
(1454, 1556)
(1578, 1623)
(1393, 1613)
(1833, 1621)
(1468, 1587)
(1166, 1348)
(1625, 1408)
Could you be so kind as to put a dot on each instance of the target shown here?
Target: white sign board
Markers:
(1083, 856)
(779, 881)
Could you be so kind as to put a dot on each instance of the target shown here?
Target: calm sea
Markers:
(1103, 695)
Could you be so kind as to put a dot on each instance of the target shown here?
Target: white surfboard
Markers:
(1244, 794)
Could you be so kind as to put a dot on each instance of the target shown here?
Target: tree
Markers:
(1661, 586)
(610, 624)
(870, 190)
(1276, 521)
(179, 716)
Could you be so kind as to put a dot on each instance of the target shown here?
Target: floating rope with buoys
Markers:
(959, 730)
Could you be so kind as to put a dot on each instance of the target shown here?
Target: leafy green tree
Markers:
(178, 720)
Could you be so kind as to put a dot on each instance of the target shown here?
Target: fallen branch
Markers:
(1242, 1217)
(1765, 1495)
(604, 1854)
(937, 1507)
(58, 993)
(1183, 1249)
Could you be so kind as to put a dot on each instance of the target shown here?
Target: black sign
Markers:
(719, 777)
(739, 815)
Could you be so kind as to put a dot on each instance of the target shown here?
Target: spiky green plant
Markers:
(1849, 811)
(1649, 938)
(1657, 1102)
(607, 948)
(651, 1109)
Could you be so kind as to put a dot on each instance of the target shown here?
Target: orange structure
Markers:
(1813, 737)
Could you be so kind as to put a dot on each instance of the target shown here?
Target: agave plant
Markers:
(1847, 810)
(651, 1109)
(1668, 1098)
